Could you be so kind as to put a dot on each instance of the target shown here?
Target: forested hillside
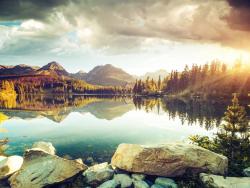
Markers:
(210, 80)
(215, 79)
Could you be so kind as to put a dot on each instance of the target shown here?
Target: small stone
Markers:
(246, 172)
(123, 180)
(140, 184)
(79, 160)
(138, 177)
(156, 186)
(166, 182)
(9, 165)
(89, 161)
(67, 157)
(44, 146)
(108, 184)
(221, 181)
(98, 174)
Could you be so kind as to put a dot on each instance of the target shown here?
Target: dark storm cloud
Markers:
(239, 17)
(28, 9)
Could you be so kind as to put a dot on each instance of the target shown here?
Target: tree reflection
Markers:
(207, 114)
(3, 142)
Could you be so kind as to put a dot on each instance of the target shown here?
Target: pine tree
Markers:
(159, 84)
(233, 137)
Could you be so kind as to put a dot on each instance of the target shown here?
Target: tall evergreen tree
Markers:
(233, 137)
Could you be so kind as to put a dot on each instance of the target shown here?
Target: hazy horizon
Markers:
(139, 37)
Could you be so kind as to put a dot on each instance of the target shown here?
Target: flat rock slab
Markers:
(41, 169)
(214, 181)
(169, 160)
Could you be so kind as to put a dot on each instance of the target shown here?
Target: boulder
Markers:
(215, 181)
(108, 184)
(246, 172)
(99, 173)
(166, 182)
(170, 160)
(42, 169)
(9, 165)
(140, 184)
(44, 146)
(138, 177)
(123, 180)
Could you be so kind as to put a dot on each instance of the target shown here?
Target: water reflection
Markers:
(83, 126)
(56, 108)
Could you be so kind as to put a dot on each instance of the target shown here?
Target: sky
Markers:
(139, 36)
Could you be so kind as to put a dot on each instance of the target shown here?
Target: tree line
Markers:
(210, 79)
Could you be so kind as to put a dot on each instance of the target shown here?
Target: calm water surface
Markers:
(82, 127)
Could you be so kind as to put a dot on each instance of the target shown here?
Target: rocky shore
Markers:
(132, 165)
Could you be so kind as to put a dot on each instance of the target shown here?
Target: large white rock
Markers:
(214, 181)
(44, 146)
(170, 160)
(9, 165)
(41, 169)
(98, 174)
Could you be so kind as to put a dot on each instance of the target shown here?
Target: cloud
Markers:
(28, 9)
(239, 15)
(119, 26)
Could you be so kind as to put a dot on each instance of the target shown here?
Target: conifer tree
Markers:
(159, 84)
(233, 137)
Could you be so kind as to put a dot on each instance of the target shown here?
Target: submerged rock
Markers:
(166, 182)
(170, 160)
(246, 172)
(140, 184)
(9, 165)
(214, 181)
(123, 180)
(42, 169)
(44, 146)
(98, 174)
(108, 184)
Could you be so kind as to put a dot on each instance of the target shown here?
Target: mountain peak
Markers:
(108, 75)
(55, 68)
(80, 72)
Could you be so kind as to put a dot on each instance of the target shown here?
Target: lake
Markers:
(83, 127)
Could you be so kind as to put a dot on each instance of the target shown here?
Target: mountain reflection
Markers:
(56, 108)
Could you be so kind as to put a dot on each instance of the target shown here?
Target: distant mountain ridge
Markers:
(108, 75)
(103, 75)
(18, 69)
(155, 75)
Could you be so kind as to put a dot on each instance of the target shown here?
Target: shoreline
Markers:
(131, 166)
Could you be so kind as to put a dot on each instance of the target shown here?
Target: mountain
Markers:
(53, 68)
(155, 75)
(108, 75)
(80, 75)
(17, 70)
(105, 75)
